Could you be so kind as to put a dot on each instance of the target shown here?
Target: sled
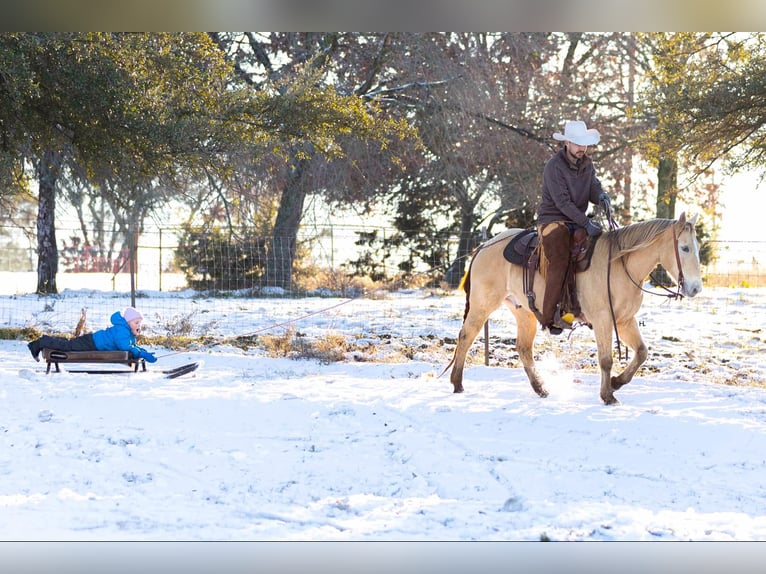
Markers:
(54, 358)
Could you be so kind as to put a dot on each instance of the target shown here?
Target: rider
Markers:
(569, 184)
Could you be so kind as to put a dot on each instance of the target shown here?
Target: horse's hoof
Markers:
(541, 392)
(458, 389)
(610, 401)
(616, 384)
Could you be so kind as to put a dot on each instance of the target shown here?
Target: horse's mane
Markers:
(637, 235)
(629, 238)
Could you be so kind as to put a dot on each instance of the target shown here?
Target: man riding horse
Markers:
(569, 185)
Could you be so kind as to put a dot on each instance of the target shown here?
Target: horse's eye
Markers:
(685, 248)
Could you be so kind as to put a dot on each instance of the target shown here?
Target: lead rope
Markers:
(607, 207)
(289, 321)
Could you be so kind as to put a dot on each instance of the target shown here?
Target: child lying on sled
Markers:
(121, 336)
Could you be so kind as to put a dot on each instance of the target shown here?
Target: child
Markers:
(121, 336)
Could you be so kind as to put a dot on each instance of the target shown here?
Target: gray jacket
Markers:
(567, 190)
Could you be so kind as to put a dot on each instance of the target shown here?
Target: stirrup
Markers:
(562, 319)
(553, 329)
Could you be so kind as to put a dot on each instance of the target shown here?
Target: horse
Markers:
(609, 293)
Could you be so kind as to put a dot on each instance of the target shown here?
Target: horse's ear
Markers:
(680, 224)
(693, 220)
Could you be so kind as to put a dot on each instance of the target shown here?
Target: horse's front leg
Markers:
(631, 336)
(526, 325)
(604, 344)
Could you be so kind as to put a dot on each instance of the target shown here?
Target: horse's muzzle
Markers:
(692, 288)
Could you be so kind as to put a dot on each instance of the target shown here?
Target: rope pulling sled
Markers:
(53, 357)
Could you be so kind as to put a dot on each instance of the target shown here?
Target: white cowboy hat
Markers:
(576, 132)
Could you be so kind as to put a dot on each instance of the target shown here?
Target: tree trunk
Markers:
(279, 263)
(628, 158)
(47, 251)
(455, 273)
(667, 189)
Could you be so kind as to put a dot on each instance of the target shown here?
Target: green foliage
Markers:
(370, 262)
(301, 109)
(125, 104)
(301, 112)
(707, 97)
(213, 259)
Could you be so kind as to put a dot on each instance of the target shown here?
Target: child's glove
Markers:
(147, 356)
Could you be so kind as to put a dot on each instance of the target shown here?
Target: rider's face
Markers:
(574, 150)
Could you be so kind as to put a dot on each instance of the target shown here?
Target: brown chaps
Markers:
(554, 264)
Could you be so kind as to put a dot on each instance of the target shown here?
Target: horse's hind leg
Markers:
(526, 324)
(471, 326)
(631, 336)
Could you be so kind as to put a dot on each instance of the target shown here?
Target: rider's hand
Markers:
(593, 228)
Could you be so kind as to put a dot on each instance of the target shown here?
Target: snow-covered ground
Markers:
(377, 447)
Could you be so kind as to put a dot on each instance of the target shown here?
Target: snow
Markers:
(376, 447)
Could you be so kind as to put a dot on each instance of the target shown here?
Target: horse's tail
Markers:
(452, 362)
(463, 279)
(465, 285)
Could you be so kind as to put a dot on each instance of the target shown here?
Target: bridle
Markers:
(670, 294)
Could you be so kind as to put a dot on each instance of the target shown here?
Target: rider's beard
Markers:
(576, 158)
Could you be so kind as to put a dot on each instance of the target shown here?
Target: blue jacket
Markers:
(118, 337)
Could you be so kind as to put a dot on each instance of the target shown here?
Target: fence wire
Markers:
(99, 281)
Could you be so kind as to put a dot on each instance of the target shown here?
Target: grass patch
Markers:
(291, 344)
(19, 334)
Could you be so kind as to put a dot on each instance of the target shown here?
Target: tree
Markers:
(485, 106)
(108, 108)
(470, 93)
(130, 117)
(302, 68)
(711, 102)
(697, 115)
(487, 124)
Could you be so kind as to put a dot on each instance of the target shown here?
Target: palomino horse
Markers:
(635, 251)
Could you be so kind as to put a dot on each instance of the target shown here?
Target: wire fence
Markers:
(737, 264)
(99, 281)
(166, 260)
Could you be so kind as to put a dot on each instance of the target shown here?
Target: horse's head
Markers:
(687, 258)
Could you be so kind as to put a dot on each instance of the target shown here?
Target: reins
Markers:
(612, 228)
(670, 294)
